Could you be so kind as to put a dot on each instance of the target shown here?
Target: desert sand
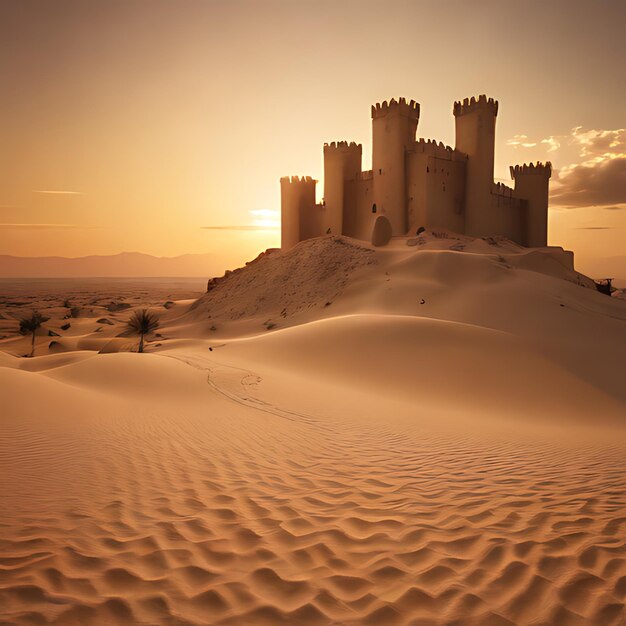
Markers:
(429, 433)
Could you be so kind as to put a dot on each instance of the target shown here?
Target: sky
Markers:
(163, 126)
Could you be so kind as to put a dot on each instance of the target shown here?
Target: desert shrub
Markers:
(143, 322)
(31, 325)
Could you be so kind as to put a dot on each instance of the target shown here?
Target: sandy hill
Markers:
(422, 276)
(285, 284)
(430, 433)
(521, 309)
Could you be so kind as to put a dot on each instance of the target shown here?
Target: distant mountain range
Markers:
(123, 265)
(137, 264)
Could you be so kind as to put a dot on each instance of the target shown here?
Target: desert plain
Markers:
(425, 434)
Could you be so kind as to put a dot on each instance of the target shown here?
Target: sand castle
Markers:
(419, 183)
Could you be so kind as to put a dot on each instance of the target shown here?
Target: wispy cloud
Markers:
(522, 141)
(62, 192)
(600, 143)
(45, 227)
(552, 142)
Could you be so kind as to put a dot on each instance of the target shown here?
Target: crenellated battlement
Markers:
(543, 169)
(436, 149)
(500, 189)
(297, 180)
(432, 144)
(418, 182)
(472, 104)
(343, 146)
(401, 106)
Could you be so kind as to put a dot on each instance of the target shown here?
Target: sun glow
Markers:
(266, 218)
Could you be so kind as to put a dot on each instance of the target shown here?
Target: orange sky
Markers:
(163, 117)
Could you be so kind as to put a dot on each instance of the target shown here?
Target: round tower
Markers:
(342, 162)
(532, 184)
(394, 125)
(297, 196)
(475, 124)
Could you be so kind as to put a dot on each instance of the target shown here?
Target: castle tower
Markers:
(531, 184)
(297, 198)
(475, 122)
(394, 125)
(342, 162)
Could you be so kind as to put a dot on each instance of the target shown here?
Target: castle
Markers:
(419, 183)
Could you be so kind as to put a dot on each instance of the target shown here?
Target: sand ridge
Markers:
(228, 514)
(375, 461)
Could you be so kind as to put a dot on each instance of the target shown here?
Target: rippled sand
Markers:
(351, 469)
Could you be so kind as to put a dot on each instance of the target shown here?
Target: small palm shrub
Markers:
(31, 325)
(143, 322)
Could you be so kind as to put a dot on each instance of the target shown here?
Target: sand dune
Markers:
(425, 360)
(377, 460)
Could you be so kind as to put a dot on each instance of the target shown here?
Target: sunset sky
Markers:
(132, 125)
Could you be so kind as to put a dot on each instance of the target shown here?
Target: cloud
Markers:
(59, 191)
(600, 143)
(249, 227)
(522, 141)
(594, 228)
(590, 144)
(614, 208)
(552, 142)
(600, 179)
(44, 227)
(593, 183)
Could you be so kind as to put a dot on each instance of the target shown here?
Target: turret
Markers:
(475, 122)
(394, 125)
(531, 184)
(297, 196)
(342, 162)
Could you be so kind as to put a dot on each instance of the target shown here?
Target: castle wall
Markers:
(297, 196)
(508, 214)
(342, 162)
(419, 183)
(393, 131)
(312, 221)
(418, 190)
(475, 122)
(531, 184)
(359, 220)
(435, 187)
